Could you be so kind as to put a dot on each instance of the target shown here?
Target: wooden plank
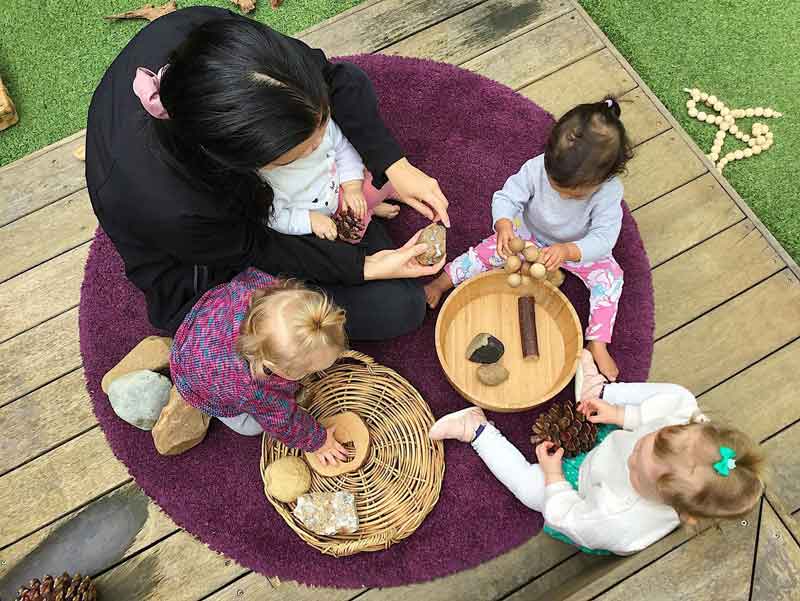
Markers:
(255, 587)
(382, 24)
(157, 525)
(44, 419)
(47, 290)
(659, 166)
(561, 576)
(731, 337)
(688, 215)
(784, 464)
(491, 580)
(711, 273)
(28, 185)
(64, 225)
(642, 120)
(537, 53)
(586, 80)
(474, 31)
(766, 393)
(39, 356)
(52, 485)
(714, 565)
(776, 575)
(180, 568)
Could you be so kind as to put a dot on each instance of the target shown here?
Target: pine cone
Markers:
(63, 588)
(563, 425)
(349, 226)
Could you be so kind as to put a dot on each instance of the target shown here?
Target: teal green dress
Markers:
(572, 468)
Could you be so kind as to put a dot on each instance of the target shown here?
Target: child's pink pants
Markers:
(603, 278)
(373, 196)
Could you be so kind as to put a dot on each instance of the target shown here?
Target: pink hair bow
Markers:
(146, 86)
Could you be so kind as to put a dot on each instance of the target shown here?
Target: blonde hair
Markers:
(286, 322)
(719, 496)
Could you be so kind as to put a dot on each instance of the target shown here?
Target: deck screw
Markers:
(227, 562)
(3, 562)
(240, 593)
(744, 522)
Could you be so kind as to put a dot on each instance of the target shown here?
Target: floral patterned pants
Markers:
(603, 278)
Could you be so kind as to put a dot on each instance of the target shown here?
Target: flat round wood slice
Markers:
(349, 428)
(486, 303)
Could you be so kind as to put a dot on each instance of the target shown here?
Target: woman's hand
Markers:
(505, 234)
(399, 263)
(598, 411)
(323, 226)
(353, 198)
(550, 461)
(553, 256)
(418, 190)
(332, 450)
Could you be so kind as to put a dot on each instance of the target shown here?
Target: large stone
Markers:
(287, 478)
(485, 348)
(8, 112)
(180, 426)
(435, 236)
(139, 397)
(152, 353)
(327, 513)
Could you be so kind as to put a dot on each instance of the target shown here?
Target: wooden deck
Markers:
(728, 327)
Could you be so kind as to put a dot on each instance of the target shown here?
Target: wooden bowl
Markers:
(486, 303)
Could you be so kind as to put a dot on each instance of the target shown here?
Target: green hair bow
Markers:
(728, 462)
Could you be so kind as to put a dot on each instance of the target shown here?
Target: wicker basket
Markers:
(401, 479)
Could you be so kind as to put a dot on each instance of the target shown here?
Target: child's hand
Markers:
(332, 450)
(323, 226)
(598, 411)
(550, 461)
(505, 234)
(353, 198)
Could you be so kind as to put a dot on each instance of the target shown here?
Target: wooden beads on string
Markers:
(759, 139)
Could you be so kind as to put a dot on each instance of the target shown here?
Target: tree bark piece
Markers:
(527, 326)
(151, 12)
(8, 112)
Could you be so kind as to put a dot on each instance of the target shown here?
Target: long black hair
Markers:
(238, 97)
(588, 145)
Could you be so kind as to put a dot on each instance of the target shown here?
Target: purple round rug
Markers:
(471, 134)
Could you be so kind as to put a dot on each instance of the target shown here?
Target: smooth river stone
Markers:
(139, 397)
(435, 236)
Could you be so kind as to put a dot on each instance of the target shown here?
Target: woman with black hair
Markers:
(172, 167)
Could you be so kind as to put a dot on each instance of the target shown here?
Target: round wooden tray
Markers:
(486, 303)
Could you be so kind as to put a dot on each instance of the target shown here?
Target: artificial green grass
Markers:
(53, 53)
(745, 53)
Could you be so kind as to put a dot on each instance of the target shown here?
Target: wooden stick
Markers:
(527, 326)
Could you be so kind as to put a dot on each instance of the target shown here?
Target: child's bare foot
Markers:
(605, 362)
(386, 210)
(435, 289)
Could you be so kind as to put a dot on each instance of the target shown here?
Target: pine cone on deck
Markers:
(63, 588)
(566, 427)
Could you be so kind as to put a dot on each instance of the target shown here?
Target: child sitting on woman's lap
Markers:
(666, 465)
(242, 348)
(567, 201)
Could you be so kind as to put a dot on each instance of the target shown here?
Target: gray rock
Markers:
(139, 397)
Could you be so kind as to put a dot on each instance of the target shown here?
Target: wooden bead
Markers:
(720, 135)
(713, 157)
(718, 120)
(712, 99)
(745, 138)
(693, 112)
(710, 118)
(738, 155)
(768, 112)
(701, 116)
(718, 106)
(716, 147)
(756, 149)
(769, 135)
(738, 113)
(695, 94)
(725, 111)
(722, 163)
(748, 152)
(733, 129)
(703, 96)
(729, 157)
(752, 142)
(749, 112)
(758, 111)
(725, 126)
(514, 280)
(739, 135)
(777, 114)
(690, 104)
(761, 140)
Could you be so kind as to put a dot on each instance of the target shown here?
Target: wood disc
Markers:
(349, 428)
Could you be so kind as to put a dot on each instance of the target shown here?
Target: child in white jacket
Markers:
(666, 464)
(328, 176)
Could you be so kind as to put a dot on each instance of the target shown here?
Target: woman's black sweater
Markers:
(177, 239)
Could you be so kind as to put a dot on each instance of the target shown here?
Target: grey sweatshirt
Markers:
(592, 223)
